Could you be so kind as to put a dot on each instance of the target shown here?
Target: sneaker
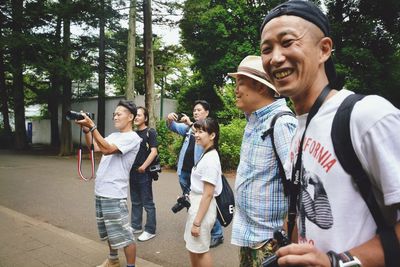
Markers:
(145, 236)
(215, 242)
(136, 231)
(110, 263)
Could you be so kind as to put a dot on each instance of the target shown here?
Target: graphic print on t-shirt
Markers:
(317, 208)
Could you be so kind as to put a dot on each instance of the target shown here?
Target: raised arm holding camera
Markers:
(119, 151)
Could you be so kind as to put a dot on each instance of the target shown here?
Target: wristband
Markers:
(345, 259)
(333, 258)
(93, 128)
(196, 225)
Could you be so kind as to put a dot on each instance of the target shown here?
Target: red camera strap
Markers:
(92, 159)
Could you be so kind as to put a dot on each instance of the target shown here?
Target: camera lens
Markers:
(73, 115)
(177, 207)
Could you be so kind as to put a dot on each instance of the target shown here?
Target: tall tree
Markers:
(17, 71)
(366, 39)
(130, 63)
(66, 135)
(101, 101)
(3, 89)
(55, 79)
(148, 61)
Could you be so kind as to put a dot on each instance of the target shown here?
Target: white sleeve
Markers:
(375, 136)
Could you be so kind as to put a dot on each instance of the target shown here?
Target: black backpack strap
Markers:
(347, 157)
(270, 131)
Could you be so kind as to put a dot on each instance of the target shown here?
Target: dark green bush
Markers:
(169, 144)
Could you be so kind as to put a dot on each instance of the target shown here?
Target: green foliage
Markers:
(196, 90)
(220, 34)
(229, 110)
(366, 38)
(230, 142)
(169, 144)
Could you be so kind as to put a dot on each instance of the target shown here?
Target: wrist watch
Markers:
(345, 259)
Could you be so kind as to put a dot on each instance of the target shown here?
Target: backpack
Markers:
(347, 157)
(225, 203)
(270, 131)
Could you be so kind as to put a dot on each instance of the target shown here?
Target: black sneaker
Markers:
(215, 242)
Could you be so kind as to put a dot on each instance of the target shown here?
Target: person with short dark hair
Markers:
(190, 153)
(141, 187)
(119, 151)
(335, 227)
(260, 202)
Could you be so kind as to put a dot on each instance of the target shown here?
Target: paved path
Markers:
(39, 192)
(30, 242)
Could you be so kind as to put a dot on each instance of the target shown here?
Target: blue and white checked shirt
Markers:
(260, 202)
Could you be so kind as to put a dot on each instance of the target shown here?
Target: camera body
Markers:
(74, 115)
(282, 240)
(155, 168)
(182, 202)
(179, 116)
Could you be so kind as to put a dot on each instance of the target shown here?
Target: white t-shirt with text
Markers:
(332, 214)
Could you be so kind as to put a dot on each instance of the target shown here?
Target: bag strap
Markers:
(270, 132)
(347, 157)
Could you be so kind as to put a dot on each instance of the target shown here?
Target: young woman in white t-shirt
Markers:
(206, 184)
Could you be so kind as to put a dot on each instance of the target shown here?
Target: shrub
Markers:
(169, 144)
(230, 142)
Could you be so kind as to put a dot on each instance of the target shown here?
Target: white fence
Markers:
(41, 132)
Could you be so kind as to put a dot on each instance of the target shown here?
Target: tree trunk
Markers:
(54, 95)
(101, 101)
(3, 90)
(148, 62)
(66, 135)
(130, 62)
(21, 141)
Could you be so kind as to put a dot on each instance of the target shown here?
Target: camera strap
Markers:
(91, 154)
(297, 171)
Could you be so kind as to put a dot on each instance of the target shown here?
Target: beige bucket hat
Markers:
(251, 66)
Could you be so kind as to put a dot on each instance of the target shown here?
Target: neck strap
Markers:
(297, 170)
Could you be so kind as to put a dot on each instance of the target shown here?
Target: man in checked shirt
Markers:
(261, 204)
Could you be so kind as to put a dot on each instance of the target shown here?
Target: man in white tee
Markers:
(335, 226)
(119, 151)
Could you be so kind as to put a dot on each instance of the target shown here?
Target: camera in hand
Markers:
(182, 202)
(282, 240)
(179, 116)
(74, 115)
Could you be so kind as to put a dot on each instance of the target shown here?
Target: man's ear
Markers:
(326, 45)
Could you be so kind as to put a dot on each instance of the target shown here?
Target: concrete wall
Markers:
(41, 128)
(41, 132)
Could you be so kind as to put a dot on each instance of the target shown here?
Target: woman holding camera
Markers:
(206, 183)
(140, 180)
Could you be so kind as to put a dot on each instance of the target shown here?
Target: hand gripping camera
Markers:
(179, 116)
(74, 115)
(282, 240)
(182, 202)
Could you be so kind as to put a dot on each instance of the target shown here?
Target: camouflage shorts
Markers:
(250, 257)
